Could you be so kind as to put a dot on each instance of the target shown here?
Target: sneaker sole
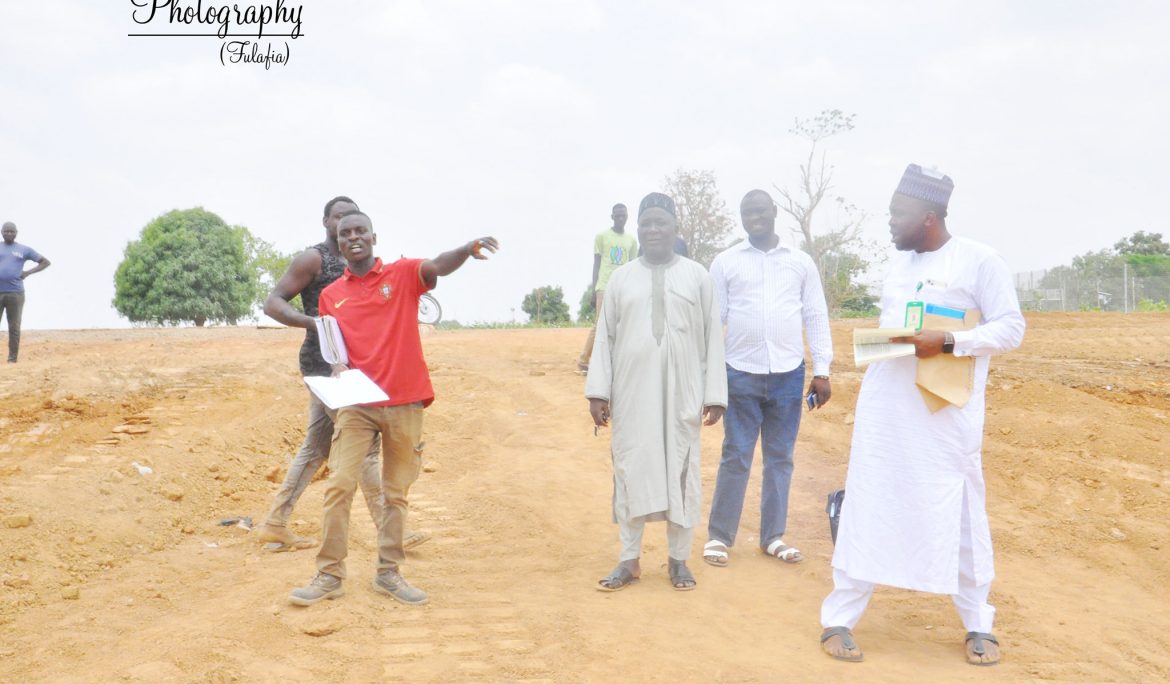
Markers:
(281, 547)
(417, 538)
(298, 601)
(382, 590)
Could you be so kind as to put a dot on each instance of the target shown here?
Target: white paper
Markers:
(330, 340)
(873, 344)
(349, 388)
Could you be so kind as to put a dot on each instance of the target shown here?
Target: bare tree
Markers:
(703, 219)
(833, 247)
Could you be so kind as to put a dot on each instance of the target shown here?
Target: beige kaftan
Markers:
(658, 360)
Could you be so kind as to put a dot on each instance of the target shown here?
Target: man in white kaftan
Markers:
(915, 511)
(657, 367)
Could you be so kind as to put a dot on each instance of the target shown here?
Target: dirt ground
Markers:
(110, 575)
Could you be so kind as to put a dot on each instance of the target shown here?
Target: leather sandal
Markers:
(618, 579)
(680, 575)
(976, 649)
(846, 642)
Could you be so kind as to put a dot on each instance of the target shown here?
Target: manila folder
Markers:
(947, 379)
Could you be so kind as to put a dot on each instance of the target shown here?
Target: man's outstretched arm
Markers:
(448, 262)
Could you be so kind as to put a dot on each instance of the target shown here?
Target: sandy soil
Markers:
(109, 575)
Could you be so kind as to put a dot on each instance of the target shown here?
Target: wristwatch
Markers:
(820, 377)
(948, 343)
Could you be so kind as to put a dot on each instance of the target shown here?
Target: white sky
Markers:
(528, 119)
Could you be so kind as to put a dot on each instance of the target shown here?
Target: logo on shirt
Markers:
(385, 290)
(338, 304)
(617, 254)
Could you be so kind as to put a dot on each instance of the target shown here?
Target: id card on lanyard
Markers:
(914, 311)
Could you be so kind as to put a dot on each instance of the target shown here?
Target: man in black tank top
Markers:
(308, 274)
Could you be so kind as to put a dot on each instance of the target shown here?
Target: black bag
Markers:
(833, 508)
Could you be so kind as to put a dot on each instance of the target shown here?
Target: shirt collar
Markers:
(746, 245)
(376, 270)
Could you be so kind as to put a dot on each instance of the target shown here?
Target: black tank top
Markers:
(331, 269)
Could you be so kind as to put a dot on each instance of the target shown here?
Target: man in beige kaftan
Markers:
(657, 368)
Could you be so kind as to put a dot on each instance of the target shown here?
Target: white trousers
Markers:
(844, 606)
(678, 539)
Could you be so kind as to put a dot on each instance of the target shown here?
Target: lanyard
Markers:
(914, 310)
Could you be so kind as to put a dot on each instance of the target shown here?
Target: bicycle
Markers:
(429, 311)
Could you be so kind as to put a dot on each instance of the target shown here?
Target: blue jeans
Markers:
(768, 405)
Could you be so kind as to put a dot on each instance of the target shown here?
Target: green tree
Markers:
(1107, 278)
(841, 270)
(1097, 279)
(265, 264)
(1100, 264)
(703, 219)
(546, 305)
(1149, 265)
(1148, 256)
(587, 309)
(1055, 278)
(1142, 242)
(186, 266)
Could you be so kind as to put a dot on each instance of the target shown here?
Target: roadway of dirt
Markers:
(110, 575)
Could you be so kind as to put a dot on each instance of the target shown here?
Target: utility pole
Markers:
(1125, 286)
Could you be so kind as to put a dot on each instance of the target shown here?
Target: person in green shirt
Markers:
(612, 247)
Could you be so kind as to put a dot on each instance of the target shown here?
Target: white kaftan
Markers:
(658, 360)
(911, 472)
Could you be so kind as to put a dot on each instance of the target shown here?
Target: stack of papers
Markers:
(349, 388)
(873, 344)
(331, 341)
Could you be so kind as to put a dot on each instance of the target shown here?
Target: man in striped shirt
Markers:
(768, 294)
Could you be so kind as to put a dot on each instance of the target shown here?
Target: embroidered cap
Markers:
(657, 199)
(930, 185)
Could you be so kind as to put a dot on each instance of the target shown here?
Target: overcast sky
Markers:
(528, 119)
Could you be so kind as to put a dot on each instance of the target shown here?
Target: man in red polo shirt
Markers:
(376, 307)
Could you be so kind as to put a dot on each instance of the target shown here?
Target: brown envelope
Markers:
(947, 379)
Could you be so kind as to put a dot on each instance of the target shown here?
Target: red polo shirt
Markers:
(378, 317)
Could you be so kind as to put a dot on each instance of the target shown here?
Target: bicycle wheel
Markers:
(429, 311)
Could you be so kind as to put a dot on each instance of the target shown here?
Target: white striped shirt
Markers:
(764, 298)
